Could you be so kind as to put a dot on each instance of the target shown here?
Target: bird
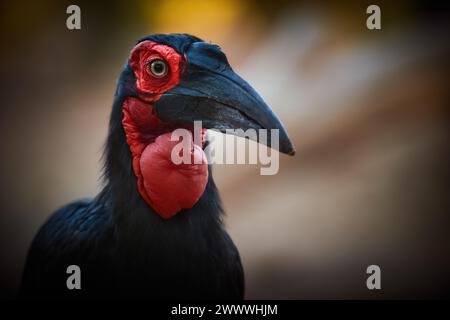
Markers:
(156, 229)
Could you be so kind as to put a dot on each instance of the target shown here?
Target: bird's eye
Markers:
(157, 68)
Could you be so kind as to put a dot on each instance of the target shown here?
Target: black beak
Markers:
(212, 92)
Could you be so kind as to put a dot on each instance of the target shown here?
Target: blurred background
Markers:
(368, 112)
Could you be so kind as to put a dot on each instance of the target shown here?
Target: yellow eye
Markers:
(158, 68)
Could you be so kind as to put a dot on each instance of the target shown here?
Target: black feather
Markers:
(125, 249)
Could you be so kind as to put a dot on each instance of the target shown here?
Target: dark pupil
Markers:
(158, 67)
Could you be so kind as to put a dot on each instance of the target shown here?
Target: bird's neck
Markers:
(144, 145)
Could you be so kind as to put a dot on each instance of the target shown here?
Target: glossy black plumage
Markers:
(123, 248)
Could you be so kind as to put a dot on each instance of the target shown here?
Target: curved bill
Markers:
(212, 92)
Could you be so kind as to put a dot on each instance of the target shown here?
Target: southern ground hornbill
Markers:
(155, 230)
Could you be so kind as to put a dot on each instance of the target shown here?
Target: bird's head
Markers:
(169, 82)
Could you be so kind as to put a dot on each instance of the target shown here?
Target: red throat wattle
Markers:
(167, 187)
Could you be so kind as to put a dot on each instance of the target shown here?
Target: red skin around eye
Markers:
(145, 82)
(168, 188)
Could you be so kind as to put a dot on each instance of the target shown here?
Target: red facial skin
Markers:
(168, 188)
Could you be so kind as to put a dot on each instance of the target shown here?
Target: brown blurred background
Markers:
(367, 110)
